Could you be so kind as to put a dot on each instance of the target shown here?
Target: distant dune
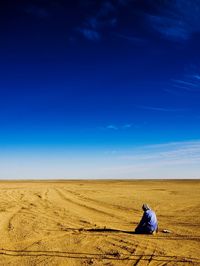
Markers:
(91, 223)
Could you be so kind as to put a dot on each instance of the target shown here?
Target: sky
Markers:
(99, 89)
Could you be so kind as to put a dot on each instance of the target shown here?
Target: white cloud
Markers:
(112, 127)
(117, 127)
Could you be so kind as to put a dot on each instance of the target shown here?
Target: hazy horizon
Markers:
(170, 160)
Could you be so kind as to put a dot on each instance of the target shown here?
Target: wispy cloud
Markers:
(90, 34)
(184, 87)
(188, 83)
(196, 76)
(169, 28)
(113, 127)
(168, 160)
(176, 20)
(127, 126)
(117, 127)
(160, 109)
(103, 18)
(172, 91)
(174, 152)
(133, 39)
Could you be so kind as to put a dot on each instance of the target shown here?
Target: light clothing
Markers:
(148, 223)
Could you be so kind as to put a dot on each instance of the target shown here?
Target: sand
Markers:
(91, 223)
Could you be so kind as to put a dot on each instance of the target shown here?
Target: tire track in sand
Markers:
(75, 203)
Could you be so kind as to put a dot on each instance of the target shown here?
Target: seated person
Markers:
(148, 223)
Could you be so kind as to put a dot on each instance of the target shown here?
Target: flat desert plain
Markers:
(91, 223)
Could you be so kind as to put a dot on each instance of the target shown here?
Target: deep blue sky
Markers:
(89, 78)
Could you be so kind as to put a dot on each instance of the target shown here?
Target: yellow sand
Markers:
(49, 223)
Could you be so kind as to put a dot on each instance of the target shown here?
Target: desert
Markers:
(92, 222)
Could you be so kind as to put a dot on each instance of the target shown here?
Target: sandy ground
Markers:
(90, 223)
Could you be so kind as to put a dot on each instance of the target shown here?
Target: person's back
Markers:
(151, 220)
(148, 223)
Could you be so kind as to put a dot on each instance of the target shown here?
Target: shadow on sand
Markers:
(110, 230)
